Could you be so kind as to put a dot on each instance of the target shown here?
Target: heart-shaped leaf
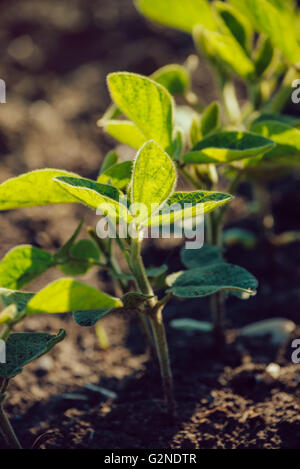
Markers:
(103, 197)
(146, 103)
(179, 14)
(287, 139)
(207, 255)
(82, 254)
(184, 205)
(65, 295)
(34, 188)
(200, 282)
(118, 175)
(225, 49)
(225, 147)
(174, 78)
(23, 348)
(22, 264)
(153, 180)
(124, 131)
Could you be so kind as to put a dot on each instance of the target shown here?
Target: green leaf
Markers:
(276, 22)
(245, 238)
(65, 295)
(111, 158)
(146, 103)
(96, 195)
(225, 49)
(284, 118)
(236, 23)
(153, 179)
(210, 119)
(63, 254)
(125, 131)
(82, 255)
(287, 139)
(200, 282)
(174, 78)
(225, 147)
(34, 188)
(264, 56)
(200, 202)
(207, 255)
(23, 348)
(188, 324)
(118, 175)
(89, 318)
(179, 14)
(23, 264)
(19, 298)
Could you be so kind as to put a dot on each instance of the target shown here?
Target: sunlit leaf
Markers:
(225, 147)
(125, 131)
(22, 264)
(178, 14)
(236, 23)
(153, 179)
(274, 20)
(23, 348)
(287, 139)
(207, 255)
(146, 103)
(118, 175)
(96, 195)
(34, 188)
(224, 47)
(200, 282)
(183, 205)
(66, 295)
(174, 78)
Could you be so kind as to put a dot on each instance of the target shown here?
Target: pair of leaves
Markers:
(23, 348)
(225, 147)
(152, 184)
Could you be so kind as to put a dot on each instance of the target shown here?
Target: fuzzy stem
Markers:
(156, 322)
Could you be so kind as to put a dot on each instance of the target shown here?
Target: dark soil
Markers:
(225, 398)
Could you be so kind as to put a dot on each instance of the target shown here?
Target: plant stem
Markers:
(160, 340)
(157, 325)
(5, 331)
(8, 431)
(5, 425)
